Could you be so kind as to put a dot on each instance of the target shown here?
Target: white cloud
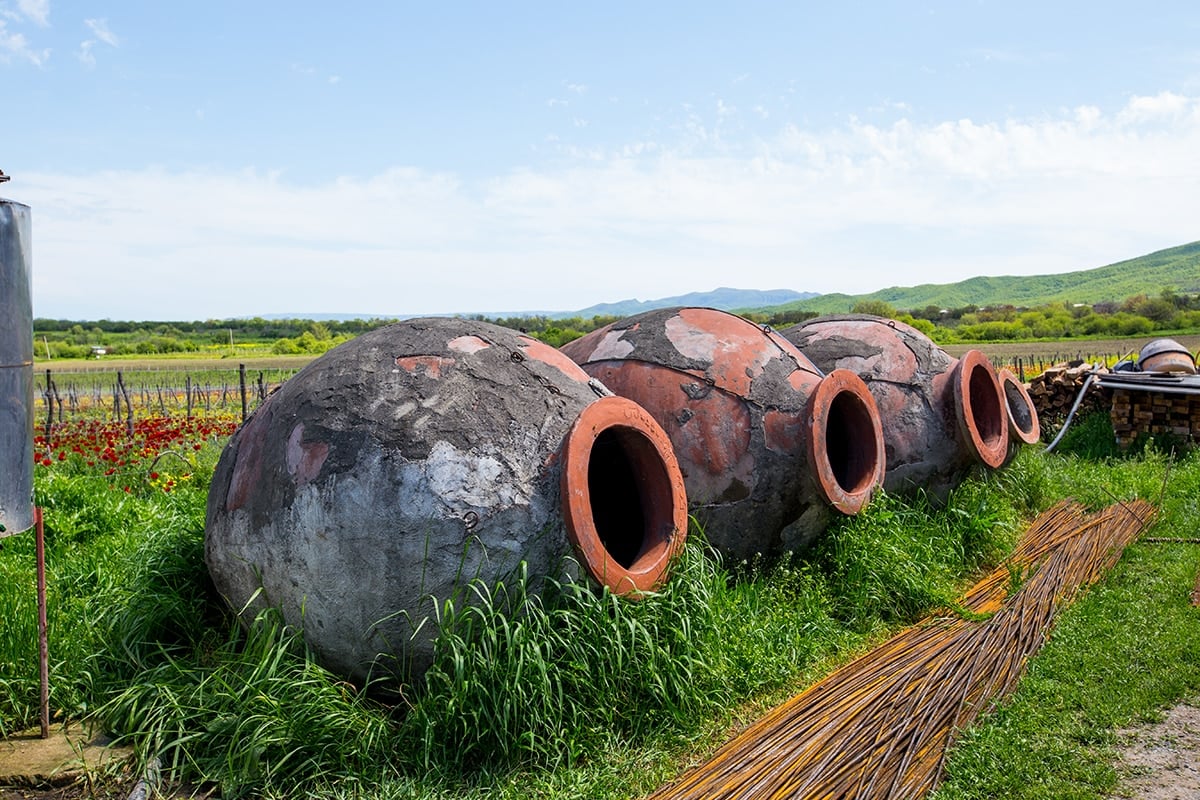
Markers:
(853, 209)
(1087, 117)
(103, 34)
(37, 11)
(100, 29)
(1160, 106)
(16, 45)
(891, 106)
(634, 149)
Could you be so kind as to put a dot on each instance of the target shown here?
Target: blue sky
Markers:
(192, 160)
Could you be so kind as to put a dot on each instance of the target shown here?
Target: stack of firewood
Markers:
(1155, 413)
(1054, 392)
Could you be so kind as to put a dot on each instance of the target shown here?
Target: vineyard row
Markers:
(59, 396)
(171, 392)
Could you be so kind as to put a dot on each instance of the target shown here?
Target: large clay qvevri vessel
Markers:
(769, 447)
(941, 415)
(400, 465)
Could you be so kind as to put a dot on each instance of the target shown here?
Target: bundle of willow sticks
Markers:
(880, 726)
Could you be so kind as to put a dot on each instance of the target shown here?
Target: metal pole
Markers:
(43, 644)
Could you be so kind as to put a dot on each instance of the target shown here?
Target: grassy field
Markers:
(582, 694)
(627, 695)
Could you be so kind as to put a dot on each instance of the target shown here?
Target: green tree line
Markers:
(76, 339)
(1136, 316)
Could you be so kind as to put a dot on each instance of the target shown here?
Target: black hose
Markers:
(1079, 399)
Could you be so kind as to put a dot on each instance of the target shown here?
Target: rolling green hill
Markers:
(1177, 268)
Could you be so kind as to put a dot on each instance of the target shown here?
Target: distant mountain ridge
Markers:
(1176, 268)
(723, 298)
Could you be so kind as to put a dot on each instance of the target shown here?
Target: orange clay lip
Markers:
(616, 435)
(1022, 414)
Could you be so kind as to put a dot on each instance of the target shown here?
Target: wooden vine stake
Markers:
(43, 641)
(242, 385)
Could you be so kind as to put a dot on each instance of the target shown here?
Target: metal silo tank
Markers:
(16, 370)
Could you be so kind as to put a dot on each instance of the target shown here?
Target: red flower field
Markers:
(108, 448)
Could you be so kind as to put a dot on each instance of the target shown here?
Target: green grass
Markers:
(122, 578)
(1126, 651)
(571, 692)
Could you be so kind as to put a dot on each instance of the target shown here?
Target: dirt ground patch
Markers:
(1162, 761)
